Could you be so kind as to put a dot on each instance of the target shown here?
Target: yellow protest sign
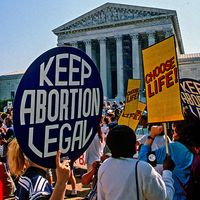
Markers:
(132, 119)
(132, 96)
(162, 82)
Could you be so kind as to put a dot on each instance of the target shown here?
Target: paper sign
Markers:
(132, 96)
(190, 95)
(162, 82)
(58, 105)
(132, 119)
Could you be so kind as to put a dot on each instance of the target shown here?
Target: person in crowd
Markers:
(6, 136)
(142, 128)
(95, 150)
(91, 177)
(121, 106)
(32, 183)
(3, 117)
(123, 177)
(104, 124)
(159, 140)
(72, 181)
(184, 137)
(114, 105)
(113, 120)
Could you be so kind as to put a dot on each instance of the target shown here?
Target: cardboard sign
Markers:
(162, 82)
(58, 105)
(190, 95)
(132, 119)
(132, 96)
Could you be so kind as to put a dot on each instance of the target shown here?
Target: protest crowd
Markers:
(129, 149)
(121, 164)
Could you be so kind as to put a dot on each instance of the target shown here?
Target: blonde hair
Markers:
(16, 159)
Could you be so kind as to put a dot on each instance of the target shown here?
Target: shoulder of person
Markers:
(145, 169)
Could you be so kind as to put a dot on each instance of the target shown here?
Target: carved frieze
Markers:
(110, 15)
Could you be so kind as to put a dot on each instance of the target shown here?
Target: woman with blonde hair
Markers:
(32, 182)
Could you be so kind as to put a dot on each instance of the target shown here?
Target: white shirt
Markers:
(94, 151)
(158, 142)
(116, 181)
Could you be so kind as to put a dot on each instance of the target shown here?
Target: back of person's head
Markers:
(188, 130)
(16, 159)
(8, 122)
(106, 120)
(3, 115)
(121, 141)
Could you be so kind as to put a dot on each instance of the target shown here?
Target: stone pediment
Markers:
(110, 13)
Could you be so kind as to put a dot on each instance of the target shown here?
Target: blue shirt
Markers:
(33, 185)
(182, 158)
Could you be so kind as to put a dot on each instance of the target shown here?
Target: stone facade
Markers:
(113, 35)
(189, 66)
(9, 84)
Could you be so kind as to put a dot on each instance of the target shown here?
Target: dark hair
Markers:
(188, 130)
(121, 141)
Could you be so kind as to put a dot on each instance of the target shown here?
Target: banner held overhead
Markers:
(58, 105)
(162, 82)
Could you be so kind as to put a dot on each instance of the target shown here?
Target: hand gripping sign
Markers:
(58, 105)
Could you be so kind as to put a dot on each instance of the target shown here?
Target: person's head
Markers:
(121, 141)
(16, 159)
(106, 120)
(187, 130)
(3, 115)
(8, 122)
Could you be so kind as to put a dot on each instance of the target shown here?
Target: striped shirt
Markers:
(33, 185)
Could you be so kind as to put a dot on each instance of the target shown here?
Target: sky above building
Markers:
(26, 26)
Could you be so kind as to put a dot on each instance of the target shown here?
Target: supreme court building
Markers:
(113, 35)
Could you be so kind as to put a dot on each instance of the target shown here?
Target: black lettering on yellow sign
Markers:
(132, 95)
(135, 116)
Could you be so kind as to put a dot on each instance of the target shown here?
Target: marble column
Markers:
(109, 72)
(120, 78)
(151, 38)
(88, 48)
(103, 65)
(135, 56)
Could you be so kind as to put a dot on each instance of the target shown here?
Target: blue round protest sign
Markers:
(58, 105)
(190, 95)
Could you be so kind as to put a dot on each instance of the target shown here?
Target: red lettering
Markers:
(161, 82)
(150, 94)
(156, 72)
(176, 75)
(169, 79)
(148, 78)
(156, 86)
(162, 68)
(82, 160)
